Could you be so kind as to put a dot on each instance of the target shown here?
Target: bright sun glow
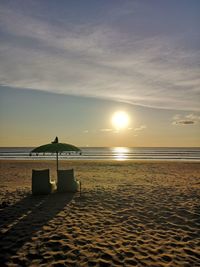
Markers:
(120, 120)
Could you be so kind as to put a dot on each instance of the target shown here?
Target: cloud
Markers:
(112, 130)
(184, 122)
(142, 127)
(106, 130)
(98, 60)
(189, 119)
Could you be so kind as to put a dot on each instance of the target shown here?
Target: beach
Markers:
(130, 213)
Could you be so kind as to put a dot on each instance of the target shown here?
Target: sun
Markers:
(120, 120)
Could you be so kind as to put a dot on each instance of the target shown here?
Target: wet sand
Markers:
(129, 214)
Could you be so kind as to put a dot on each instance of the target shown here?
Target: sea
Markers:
(109, 153)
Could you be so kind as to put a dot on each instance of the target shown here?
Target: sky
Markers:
(68, 66)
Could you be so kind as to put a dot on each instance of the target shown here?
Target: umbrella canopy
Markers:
(56, 147)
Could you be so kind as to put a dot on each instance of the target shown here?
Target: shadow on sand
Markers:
(20, 222)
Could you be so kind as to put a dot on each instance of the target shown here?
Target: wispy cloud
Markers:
(98, 60)
(189, 119)
(106, 130)
(142, 127)
(113, 130)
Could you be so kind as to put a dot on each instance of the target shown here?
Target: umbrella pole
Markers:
(57, 161)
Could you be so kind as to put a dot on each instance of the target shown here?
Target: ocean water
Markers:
(109, 153)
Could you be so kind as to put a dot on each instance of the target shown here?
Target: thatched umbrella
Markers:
(56, 147)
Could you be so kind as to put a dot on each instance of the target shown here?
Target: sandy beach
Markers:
(129, 214)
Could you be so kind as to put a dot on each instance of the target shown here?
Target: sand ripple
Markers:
(129, 224)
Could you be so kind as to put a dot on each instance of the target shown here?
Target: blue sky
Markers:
(102, 56)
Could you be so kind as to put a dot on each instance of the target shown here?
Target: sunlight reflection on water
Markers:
(110, 153)
(120, 153)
